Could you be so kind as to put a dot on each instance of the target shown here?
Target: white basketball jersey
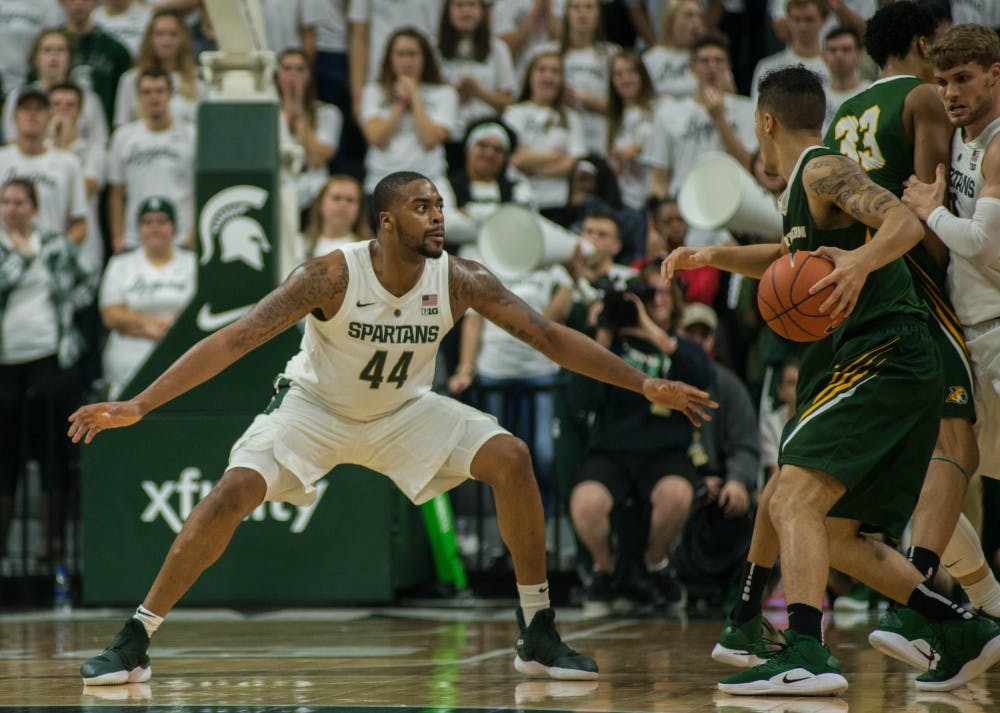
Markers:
(378, 351)
(975, 289)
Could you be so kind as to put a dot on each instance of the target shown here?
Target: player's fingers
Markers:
(822, 283)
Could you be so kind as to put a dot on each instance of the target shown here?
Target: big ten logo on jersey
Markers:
(225, 221)
(428, 304)
(173, 500)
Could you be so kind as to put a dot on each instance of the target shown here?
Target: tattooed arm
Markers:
(837, 184)
(316, 286)
(473, 286)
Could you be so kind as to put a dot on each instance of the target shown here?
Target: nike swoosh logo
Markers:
(786, 679)
(365, 304)
(209, 321)
(543, 589)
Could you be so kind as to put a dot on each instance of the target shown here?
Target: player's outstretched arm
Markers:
(316, 285)
(749, 260)
(837, 181)
(473, 286)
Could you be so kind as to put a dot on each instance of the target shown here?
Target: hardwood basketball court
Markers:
(342, 660)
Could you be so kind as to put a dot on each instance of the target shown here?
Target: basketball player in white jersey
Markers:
(966, 63)
(359, 392)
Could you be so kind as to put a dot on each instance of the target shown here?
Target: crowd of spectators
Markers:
(589, 112)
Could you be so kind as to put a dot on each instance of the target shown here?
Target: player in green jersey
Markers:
(856, 453)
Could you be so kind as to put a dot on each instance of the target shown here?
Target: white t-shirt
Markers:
(636, 128)
(284, 19)
(588, 70)
(58, 179)
(127, 99)
(386, 16)
(130, 279)
(329, 121)
(670, 70)
(20, 23)
(982, 12)
(403, 151)
(331, 28)
(91, 125)
(509, 14)
(496, 74)
(835, 98)
(787, 58)
(862, 8)
(128, 27)
(29, 325)
(324, 246)
(540, 128)
(154, 163)
(93, 159)
(683, 131)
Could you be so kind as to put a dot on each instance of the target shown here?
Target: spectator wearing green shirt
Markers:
(99, 60)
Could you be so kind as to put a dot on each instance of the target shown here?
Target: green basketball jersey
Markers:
(868, 128)
(888, 292)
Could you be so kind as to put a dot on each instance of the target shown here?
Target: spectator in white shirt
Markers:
(125, 20)
(142, 292)
(50, 60)
(291, 24)
(526, 24)
(64, 133)
(842, 54)
(153, 156)
(408, 113)
(21, 21)
(805, 22)
(669, 61)
(336, 218)
(372, 24)
(549, 134)
(477, 64)
(57, 174)
(586, 57)
(313, 125)
(166, 46)
(630, 123)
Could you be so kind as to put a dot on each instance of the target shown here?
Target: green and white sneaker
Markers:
(906, 636)
(965, 648)
(540, 651)
(125, 661)
(747, 645)
(804, 667)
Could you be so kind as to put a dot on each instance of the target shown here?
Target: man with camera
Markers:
(637, 461)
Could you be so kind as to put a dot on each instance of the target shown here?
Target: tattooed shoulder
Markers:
(844, 183)
(471, 285)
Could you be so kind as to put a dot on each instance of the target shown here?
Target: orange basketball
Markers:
(785, 303)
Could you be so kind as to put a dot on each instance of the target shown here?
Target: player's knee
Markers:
(508, 462)
(236, 494)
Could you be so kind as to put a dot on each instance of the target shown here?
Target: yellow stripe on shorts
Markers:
(846, 378)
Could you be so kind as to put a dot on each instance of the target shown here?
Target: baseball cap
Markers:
(157, 204)
(32, 92)
(698, 313)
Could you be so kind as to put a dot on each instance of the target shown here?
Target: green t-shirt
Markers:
(99, 61)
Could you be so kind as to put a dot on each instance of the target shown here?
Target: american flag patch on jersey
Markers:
(429, 304)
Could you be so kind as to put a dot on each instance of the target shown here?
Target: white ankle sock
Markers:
(150, 622)
(662, 564)
(985, 594)
(534, 598)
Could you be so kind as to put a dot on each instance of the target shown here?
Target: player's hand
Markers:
(693, 403)
(684, 258)
(922, 198)
(848, 277)
(734, 500)
(87, 421)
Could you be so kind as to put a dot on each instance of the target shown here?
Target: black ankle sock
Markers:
(753, 581)
(805, 619)
(924, 600)
(925, 561)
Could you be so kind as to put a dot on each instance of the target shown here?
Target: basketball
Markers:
(785, 303)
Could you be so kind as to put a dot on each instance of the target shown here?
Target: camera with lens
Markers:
(619, 311)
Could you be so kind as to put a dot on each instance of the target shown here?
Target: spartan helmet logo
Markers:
(240, 237)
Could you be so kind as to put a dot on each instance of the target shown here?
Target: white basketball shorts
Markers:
(426, 447)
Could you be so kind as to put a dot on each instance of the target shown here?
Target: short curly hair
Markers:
(890, 31)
